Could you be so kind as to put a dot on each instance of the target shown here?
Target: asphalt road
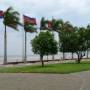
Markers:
(75, 81)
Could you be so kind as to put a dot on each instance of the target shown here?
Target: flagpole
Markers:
(53, 36)
(23, 45)
(5, 46)
(25, 52)
(27, 21)
(53, 54)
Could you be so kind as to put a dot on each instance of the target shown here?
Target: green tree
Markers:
(44, 44)
(57, 25)
(11, 19)
(43, 24)
(81, 47)
(50, 25)
(69, 27)
(74, 41)
(88, 39)
(64, 27)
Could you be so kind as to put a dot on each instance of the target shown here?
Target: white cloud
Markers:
(47, 7)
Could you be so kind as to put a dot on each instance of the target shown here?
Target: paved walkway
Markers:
(76, 81)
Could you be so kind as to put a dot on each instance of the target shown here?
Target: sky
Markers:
(75, 11)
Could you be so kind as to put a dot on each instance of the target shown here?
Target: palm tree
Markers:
(59, 26)
(68, 27)
(43, 24)
(11, 19)
(55, 27)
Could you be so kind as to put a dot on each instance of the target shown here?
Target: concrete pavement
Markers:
(75, 81)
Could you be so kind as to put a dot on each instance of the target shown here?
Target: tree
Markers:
(56, 27)
(50, 25)
(68, 27)
(64, 27)
(44, 44)
(43, 24)
(11, 19)
(74, 41)
(81, 47)
(88, 38)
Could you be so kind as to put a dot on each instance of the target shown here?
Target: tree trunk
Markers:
(41, 59)
(47, 58)
(53, 57)
(63, 56)
(5, 47)
(87, 49)
(72, 55)
(79, 59)
(87, 53)
(80, 56)
(25, 56)
(53, 36)
(59, 39)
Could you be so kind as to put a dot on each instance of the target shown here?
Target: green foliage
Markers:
(66, 41)
(44, 44)
(29, 28)
(11, 18)
(74, 41)
(59, 25)
(43, 24)
(56, 24)
(88, 36)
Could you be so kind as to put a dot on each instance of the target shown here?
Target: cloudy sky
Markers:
(75, 11)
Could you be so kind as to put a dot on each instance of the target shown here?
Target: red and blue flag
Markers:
(49, 24)
(1, 14)
(29, 20)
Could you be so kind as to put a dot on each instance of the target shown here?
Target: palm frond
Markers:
(11, 18)
(30, 28)
(10, 9)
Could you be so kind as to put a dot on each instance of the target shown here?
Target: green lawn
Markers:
(50, 68)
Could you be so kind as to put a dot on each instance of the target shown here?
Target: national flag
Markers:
(1, 14)
(48, 24)
(29, 20)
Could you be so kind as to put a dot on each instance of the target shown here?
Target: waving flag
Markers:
(49, 24)
(1, 14)
(29, 20)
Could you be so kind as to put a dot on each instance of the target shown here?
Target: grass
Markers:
(49, 68)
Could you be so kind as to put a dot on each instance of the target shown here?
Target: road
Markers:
(27, 81)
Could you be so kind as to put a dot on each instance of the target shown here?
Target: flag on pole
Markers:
(48, 25)
(29, 20)
(1, 14)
